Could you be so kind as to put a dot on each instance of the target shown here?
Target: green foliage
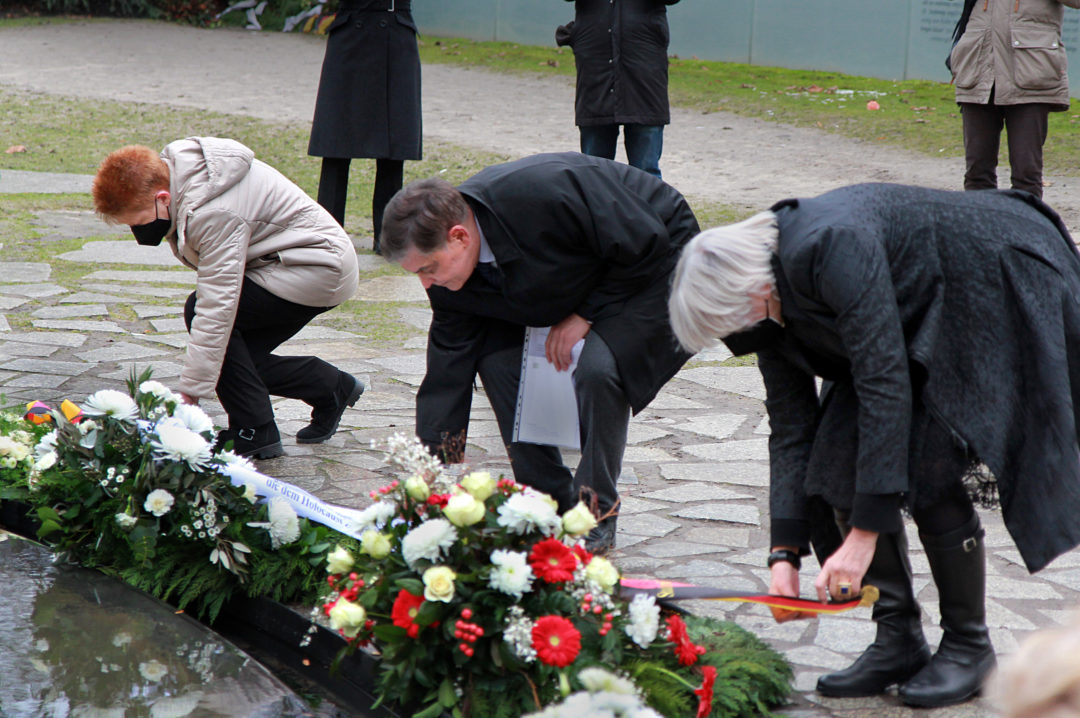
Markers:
(133, 487)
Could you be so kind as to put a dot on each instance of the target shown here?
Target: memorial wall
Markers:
(890, 39)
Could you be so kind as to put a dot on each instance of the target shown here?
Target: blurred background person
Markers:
(1010, 71)
(1042, 679)
(620, 48)
(368, 104)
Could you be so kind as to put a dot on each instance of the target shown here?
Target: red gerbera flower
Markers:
(685, 650)
(556, 641)
(705, 692)
(552, 561)
(406, 606)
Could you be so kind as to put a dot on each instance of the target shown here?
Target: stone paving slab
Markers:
(121, 251)
(24, 271)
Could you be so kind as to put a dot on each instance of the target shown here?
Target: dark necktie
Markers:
(490, 273)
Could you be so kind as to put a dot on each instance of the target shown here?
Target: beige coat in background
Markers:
(1013, 47)
(234, 217)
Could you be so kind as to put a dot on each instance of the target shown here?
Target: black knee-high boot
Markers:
(899, 650)
(965, 656)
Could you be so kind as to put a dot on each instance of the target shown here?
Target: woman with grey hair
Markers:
(946, 328)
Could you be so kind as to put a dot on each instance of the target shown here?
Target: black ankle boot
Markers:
(325, 418)
(965, 656)
(899, 650)
(261, 442)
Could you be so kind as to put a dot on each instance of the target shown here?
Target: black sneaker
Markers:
(262, 442)
(325, 419)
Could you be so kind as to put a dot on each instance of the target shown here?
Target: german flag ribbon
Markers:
(674, 591)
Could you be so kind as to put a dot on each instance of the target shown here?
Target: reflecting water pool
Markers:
(76, 643)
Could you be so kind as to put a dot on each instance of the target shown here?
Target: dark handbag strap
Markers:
(961, 24)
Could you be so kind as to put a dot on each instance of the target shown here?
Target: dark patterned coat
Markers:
(369, 91)
(620, 48)
(570, 233)
(977, 292)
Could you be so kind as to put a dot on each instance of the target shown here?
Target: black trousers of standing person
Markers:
(334, 187)
(251, 372)
(1026, 127)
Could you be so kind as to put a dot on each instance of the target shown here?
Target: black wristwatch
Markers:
(784, 554)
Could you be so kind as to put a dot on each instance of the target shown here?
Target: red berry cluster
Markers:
(587, 606)
(467, 632)
(374, 494)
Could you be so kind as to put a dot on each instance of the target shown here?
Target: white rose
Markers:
(339, 561)
(464, 510)
(578, 520)
(602, 572)
(480, 484)
(348, 617)
(417, 488)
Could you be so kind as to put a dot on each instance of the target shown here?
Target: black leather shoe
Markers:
(602, 538)
(262, 442)
(325, 419)
(898, 653)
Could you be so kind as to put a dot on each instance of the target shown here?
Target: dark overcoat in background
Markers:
(972, 296)
(620, 47)
(570, 234)
(369, 92)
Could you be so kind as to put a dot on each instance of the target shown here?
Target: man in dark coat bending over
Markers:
(580, 244)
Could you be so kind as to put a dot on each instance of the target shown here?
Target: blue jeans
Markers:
(644, 143)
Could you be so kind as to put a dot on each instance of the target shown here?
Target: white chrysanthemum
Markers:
(523, 512)
(193, 418)
(376, 516)
(284, 524)
(13, 449)
(46, 444)
(512, 573)
(231, 458)
(110, 402)
(159, 502)
(153, 670)
(427, 540)
(644, 623)
(178, 443)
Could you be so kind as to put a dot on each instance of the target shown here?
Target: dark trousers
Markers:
(334, 188)
(644, 144)
(251, 372)
(1026, 127)
(604, 416)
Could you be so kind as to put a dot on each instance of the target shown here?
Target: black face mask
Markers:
(760, 336)
(151, 233)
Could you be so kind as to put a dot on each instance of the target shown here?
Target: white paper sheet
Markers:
(547, 405)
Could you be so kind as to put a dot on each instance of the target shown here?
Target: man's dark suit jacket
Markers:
(570, 234)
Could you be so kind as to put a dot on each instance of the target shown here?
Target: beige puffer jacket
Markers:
(1013, 47)
(234, 217)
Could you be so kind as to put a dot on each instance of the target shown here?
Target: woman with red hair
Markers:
(269, 259)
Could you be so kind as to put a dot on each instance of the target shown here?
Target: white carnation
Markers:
(127, 521)
(159, 502)
(427, 540)
(644, 620)
(231, 458)
(46, 444)
(512, 573)
(284, 524)
(113, 403)
(524, 512)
